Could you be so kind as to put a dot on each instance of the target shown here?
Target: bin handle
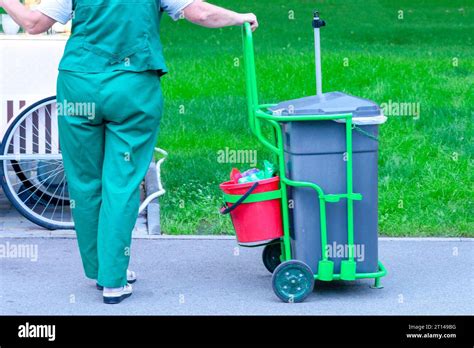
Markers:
(363, 132)
(226, 210)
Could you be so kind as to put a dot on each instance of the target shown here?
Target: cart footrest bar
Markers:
(337, 198)
(381, 272)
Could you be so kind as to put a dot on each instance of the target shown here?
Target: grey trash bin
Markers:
(315, 152)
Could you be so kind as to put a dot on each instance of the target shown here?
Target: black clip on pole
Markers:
(318, 22)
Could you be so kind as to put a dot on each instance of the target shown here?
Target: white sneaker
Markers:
(117, 295)
(131, 278)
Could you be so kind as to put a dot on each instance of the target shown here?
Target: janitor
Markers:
(113, 62)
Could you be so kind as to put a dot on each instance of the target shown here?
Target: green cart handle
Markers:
(226, 210)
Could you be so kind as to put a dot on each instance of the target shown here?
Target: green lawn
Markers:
(427, 58)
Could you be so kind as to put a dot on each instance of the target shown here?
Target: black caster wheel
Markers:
(271, 256)
(293, 281)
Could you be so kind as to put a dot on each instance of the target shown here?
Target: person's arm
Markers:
(212, 16)
(34, 22)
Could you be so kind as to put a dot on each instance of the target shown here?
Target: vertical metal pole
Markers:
(324, 233)
(317, 57)
(284, 194)
(318, 23)
(350, 201)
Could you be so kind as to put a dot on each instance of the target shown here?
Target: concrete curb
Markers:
(153, 209)
(71, 234)
(427, 239)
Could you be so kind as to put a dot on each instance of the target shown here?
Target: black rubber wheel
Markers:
(293, 281)
(271, 255)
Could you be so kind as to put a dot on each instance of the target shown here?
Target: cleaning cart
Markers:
(326, 147)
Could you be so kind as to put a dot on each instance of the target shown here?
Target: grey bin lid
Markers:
(364, 111)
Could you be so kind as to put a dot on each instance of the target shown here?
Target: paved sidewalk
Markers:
(215, 276)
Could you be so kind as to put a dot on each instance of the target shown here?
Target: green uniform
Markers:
(111, 67)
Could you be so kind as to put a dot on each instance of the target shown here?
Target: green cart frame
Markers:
(293, 280)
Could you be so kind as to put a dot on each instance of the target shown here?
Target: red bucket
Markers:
(255, 209)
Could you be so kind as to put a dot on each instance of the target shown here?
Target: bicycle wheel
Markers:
(31, 167)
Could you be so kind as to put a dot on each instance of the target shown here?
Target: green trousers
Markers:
(108, 127)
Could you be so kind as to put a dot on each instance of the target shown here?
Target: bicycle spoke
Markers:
(42, 194)
(41, 182)
(37, 188)
(46, 206)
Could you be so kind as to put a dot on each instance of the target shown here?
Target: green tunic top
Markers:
(114, 35)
